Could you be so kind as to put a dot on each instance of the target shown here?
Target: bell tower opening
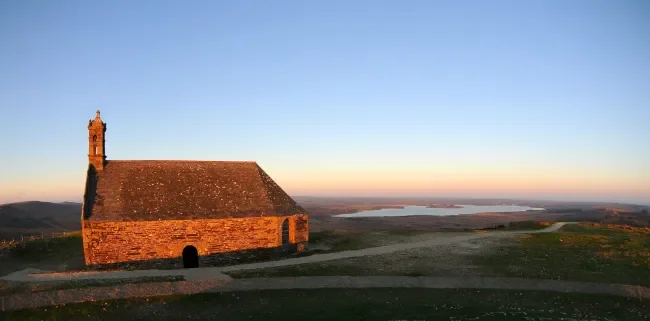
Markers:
(96, 142)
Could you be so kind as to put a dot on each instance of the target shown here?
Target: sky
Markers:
(525, 99)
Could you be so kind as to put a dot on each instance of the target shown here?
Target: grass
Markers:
(338, 241)
(517, 226)
(353, 304)
(60, 247)
(43, 253)
(527, 225)
(584, 252)
(319, 237)
(7, 288)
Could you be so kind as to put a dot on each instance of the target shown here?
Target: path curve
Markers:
(42, 299)
(212, 273)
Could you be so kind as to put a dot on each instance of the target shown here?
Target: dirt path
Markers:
(42, 299)
(216, 273)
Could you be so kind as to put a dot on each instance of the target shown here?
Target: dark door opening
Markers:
(285, 234)
(190, 257)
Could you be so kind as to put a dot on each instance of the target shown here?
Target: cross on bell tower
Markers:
(96, 142)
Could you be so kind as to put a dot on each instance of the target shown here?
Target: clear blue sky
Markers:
(535, 99)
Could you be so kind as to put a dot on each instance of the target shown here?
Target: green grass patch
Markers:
(517, 226)
(353, 304)
(527, 225)
(584, 252)
(318, 237)
(340, 241)
(60, 247)
(44, 252)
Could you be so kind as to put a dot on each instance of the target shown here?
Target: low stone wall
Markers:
(218, 241)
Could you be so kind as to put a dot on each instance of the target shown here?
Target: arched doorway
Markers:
(190, 257)
(285, 234)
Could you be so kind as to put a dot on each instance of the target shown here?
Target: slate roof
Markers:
(180, 190)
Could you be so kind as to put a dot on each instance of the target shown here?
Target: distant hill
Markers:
(38, 217)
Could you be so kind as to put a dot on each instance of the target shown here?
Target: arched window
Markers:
(285, 232)
(94, 149)
(95, 138)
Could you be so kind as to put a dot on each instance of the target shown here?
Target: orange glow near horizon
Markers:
(487, 181)
(399, 183)
(492, 184)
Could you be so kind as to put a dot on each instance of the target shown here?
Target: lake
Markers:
(423, 210)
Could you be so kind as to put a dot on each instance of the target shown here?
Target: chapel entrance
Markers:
(190, 257)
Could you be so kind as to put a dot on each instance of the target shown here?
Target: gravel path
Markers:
(42, 299)
(215, 273)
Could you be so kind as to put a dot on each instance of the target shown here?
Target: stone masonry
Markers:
(136, 242)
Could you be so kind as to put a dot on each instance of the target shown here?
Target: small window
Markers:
(285, 232)
(95, 150)
(95, 138)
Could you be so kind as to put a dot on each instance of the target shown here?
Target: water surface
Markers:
(423, 210)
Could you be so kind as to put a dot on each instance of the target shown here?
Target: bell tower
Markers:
(96, 142)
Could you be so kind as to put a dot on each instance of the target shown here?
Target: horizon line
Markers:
(398, 197)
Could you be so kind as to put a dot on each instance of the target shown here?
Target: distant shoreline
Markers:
(436, 210)
(443, 206)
